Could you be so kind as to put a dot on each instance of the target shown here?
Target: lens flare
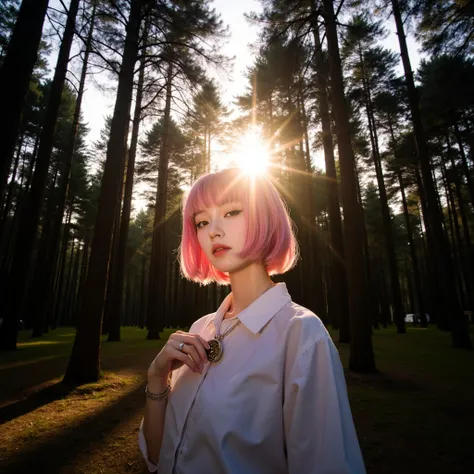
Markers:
(251, 153)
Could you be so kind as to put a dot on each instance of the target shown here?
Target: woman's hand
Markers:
(170, 357)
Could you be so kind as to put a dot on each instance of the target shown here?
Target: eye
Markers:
(201, 224)
(234, 212)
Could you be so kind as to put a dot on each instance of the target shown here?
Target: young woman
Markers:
(256, 387)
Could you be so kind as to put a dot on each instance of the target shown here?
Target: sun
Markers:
(251, 153)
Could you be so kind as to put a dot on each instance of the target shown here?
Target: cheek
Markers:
(201, 240)
(238, 230)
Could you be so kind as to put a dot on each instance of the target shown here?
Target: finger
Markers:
(201, 346)
(196, 341)
(204, 342)
(184, 358)
(178, 336)
(192, 352)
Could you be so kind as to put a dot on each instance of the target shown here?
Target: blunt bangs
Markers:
(270, 238)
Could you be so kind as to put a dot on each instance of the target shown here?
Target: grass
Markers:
(58, 343)
(414, 416)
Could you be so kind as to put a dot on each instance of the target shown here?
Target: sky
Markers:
(98, 103)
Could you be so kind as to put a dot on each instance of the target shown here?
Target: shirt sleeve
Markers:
(142, 441)
(143, 448)
(319, 430)
(141, 437)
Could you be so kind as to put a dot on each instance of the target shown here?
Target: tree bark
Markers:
(114, 334)
(414, 260)
(9, 197)
(467, 254)
(84, 364)
(112, 276)
(467, 172)
(338, 293)
(156, 288)
(57, 307)
(143, 299)
(386, 219)
(361, 351)
(15, 75)
(29, 218)
(445, 290)
(47, 262)
(457, 244)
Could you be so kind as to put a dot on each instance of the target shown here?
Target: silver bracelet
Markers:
(158, 396)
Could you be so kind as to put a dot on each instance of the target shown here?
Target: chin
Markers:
(231, 267)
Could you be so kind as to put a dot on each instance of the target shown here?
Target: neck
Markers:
(247, 285)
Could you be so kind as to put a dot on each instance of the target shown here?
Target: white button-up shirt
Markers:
(275, 403)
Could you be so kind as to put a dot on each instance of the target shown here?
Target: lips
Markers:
(218, 249)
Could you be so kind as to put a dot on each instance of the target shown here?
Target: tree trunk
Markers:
(465, 167)
(467, 254)
(361, 353)
(29, 218)
(69, 282)
(9, 198)
(414, 260)
(386, 219)
(112, 276)
(27, 174)
(338, 292)
(114, 334)
(47, 262)
(445, 290)
(156, 285)
(143, 299)
(84, 364)
(372, 285)
(82, 279)
(429, 252)
(15, 75)
(457, 243)
(72, 300)
(57, 308)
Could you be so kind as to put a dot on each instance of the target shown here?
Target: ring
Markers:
(180, 347)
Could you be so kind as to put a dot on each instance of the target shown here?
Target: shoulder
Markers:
(302, 321)
(302, 331)
(309, 351)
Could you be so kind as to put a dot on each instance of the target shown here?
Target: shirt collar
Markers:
(259, 312)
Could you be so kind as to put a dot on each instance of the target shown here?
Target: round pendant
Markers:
(215, 352)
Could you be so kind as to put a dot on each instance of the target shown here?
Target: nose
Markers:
(215, 230)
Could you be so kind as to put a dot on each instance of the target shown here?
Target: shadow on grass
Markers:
(54, 453)
(20, 379)
(383, 381)
(36, 400)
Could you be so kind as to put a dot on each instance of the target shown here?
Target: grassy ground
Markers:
(415, 416)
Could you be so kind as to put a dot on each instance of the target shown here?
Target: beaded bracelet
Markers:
(158, 396)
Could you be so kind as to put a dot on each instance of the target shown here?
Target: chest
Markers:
(244, 387)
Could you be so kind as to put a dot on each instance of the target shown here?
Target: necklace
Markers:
(215, 351)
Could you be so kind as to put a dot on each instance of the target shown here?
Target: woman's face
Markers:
(221, 233)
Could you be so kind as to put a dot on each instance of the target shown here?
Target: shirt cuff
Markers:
(143, 448)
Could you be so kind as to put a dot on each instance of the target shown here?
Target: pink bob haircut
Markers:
(270, 238)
